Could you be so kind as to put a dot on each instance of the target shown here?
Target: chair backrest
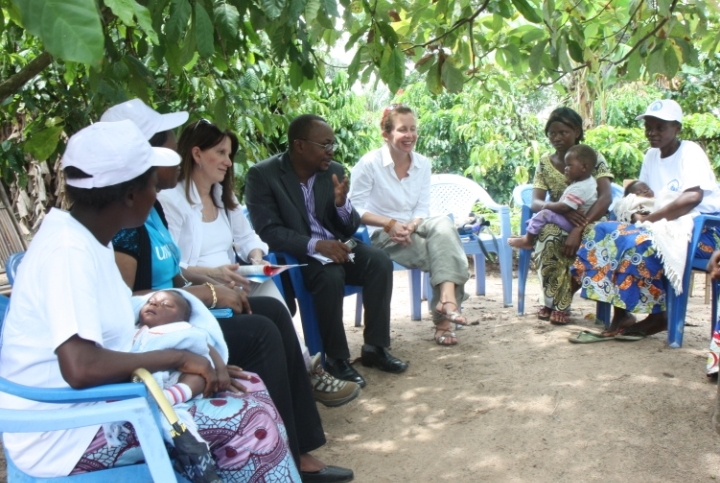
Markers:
(456, 195)
(12, 264)
(617, 193)
(522, 194)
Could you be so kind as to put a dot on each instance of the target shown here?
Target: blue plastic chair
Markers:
(130, 402)
(676, 305)
(617, 193)
(455, 195)
(522, 196)
(308, 315)
(11, 266)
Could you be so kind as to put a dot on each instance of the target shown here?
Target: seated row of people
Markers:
(191, 239)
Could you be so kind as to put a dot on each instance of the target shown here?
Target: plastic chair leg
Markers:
(602, 312)
(523, 269)
(414, 276)
(426, 287)
(479, 274)
(676, 310)
(505, 257)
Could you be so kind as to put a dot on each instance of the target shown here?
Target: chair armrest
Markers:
(112, 392)
(27, 421)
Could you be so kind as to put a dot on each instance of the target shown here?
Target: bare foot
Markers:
(652, 324)
(310, 463)
(520, 242)
(620, 321)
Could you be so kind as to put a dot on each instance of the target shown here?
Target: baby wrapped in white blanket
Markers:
(173, 319)
(670, 238)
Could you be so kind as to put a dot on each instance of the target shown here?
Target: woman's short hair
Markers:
(567, 116)
(100, 198)
(205, 135)
(387, 121)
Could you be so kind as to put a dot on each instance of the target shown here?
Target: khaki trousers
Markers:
(435, 248)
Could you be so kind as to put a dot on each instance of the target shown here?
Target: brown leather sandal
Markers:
(559, 317)
(544, 313)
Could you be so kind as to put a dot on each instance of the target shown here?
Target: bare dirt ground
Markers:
(516, 402)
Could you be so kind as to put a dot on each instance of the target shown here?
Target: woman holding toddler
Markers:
(555, 247)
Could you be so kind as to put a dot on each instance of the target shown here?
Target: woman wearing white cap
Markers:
(69, 289)
(262, 341)
(618, 263)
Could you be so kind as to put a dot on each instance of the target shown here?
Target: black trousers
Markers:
(373, 270)
(265, 342)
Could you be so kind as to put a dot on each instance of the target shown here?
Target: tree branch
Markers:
(647, 36)
(457, 25)
(15, 82)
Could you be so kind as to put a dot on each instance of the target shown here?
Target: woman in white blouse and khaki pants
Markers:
(390, 189)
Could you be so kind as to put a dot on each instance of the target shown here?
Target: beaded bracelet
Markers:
(214, 294)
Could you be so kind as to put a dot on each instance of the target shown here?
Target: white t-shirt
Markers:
(686, 168)
(580, 195)
(67, 284)
(376, 188)
(216, 238)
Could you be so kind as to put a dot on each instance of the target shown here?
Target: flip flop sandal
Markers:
(558, 317)
(445, 334)
(628, 336)
(587, 337)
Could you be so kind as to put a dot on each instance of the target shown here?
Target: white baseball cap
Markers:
(666, 109)
(146, 118)
(112, 153)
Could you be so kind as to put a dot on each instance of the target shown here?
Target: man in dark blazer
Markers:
(298, 204)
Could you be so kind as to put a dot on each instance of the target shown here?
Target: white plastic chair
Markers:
(455, 195)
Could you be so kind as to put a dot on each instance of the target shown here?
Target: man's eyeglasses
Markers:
(329, 147)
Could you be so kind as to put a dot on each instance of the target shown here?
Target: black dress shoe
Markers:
(382, 359)
(341, 369)
(329, 474)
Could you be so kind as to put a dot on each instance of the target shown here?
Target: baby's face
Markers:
(160, 309)
(574, 169)
(641, 189)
